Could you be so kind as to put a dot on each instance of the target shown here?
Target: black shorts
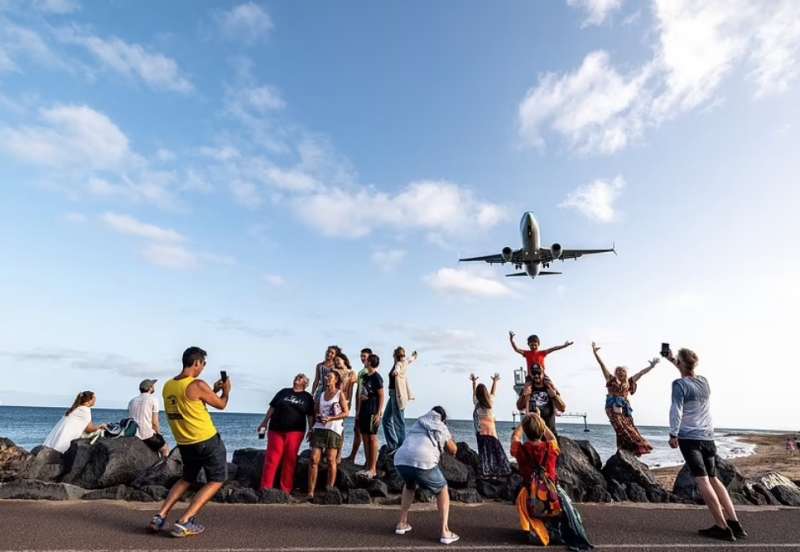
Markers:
(700, 456)
(155, 442)
(210, 456)
(365, 424)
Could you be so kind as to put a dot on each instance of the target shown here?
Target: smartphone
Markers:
(665, 350)
(223, 375)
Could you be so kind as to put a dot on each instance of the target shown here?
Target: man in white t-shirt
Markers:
(144, 410)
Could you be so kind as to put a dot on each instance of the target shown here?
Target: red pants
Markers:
(281, 452)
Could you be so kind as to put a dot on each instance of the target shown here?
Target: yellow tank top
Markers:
(188, 419)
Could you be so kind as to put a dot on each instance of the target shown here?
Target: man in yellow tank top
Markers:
(185, 402)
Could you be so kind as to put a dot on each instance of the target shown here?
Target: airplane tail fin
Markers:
(516, 274)
(547, 273)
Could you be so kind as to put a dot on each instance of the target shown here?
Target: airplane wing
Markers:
(546, 255)
(516, 257)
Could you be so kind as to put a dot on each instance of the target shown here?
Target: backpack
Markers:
(543, 500)
(126, 427)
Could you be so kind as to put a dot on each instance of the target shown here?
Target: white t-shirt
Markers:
(69, 428)
(330, 408)
(143, 409)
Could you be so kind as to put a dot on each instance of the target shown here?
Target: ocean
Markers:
(29, 426)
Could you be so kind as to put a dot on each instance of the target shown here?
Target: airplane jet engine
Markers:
(507, 253)
(556, 250)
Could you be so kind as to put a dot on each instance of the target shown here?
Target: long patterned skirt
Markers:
(494, 462)
(628, 437)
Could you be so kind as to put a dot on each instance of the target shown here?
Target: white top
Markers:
(330, 408)
(143, 409)
(69, 428)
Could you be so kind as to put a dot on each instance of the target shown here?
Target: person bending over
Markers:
(691, 430)
(286, 419)
(540, 396)
(618, 407)
(493, 459)
(330, 411)
(417, 462)
(186, 398)
(534, 356)
(370, 409)
(76, 422)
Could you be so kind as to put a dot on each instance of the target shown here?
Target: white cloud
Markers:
(465, 282)
(247, 22)
(131, 60)
(437, 206)
(596, 10)
(600, 109)
(125, 224)
(596, 199)
(170, 256)
(260, 98)
(274, 280)
(388, 259)
(71, 136)
(21, 42)
(56, 7)
(165, 155)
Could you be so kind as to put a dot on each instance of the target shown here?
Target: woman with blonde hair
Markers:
(75, 422)
(394, 424)
(618, 407)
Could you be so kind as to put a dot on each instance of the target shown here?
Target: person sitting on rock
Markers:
(417, 462)
(546, 514)
(330, 411)
(286, 418)
(493, 459)
(618, 407)
(691, 430)
(143, 409)
(539, 395)
(186, 400)
(76, 422)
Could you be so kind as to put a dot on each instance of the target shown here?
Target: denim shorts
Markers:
(431, 479)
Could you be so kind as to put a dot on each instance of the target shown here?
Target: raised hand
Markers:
(568, 343)
(654, 361)
(511, 335)
(595, 347)
(473, 377)
(496, 377)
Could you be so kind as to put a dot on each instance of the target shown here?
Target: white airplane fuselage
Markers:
(531, 241)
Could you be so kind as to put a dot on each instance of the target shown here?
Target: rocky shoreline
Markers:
(126, 469)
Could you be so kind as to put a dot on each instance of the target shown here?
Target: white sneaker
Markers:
(449, 540)
(402, 530)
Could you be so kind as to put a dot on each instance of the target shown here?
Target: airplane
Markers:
(532, 256)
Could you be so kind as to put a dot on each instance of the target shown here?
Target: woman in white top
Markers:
(493, 459)
(76, 422)
(330, 410)
(394, 423)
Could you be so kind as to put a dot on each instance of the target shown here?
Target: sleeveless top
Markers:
(330, 408)
(188, 419)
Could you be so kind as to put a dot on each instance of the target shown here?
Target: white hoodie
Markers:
(424, 443)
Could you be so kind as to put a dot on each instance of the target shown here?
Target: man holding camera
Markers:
(185, 402)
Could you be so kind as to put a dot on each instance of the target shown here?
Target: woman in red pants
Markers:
(290, 412)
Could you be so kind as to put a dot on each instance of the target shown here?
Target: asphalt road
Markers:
(106, 525)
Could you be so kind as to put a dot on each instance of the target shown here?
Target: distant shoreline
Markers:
(769, 456)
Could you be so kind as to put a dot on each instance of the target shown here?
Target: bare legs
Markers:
(200, 499)
(442, 504)
(313, 468)
(716, 497)
(371, 452)
(356, 443)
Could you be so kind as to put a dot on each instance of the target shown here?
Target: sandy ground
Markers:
(770, 455)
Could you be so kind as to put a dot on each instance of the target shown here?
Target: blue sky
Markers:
(264, 179)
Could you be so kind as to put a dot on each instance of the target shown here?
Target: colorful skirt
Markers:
(628, 437)
(493, 459)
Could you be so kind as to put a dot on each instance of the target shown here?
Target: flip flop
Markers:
(402, 530)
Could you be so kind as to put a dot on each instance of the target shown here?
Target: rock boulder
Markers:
(578, 476)
(39, 490)
(12, 459)
(108, 462)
